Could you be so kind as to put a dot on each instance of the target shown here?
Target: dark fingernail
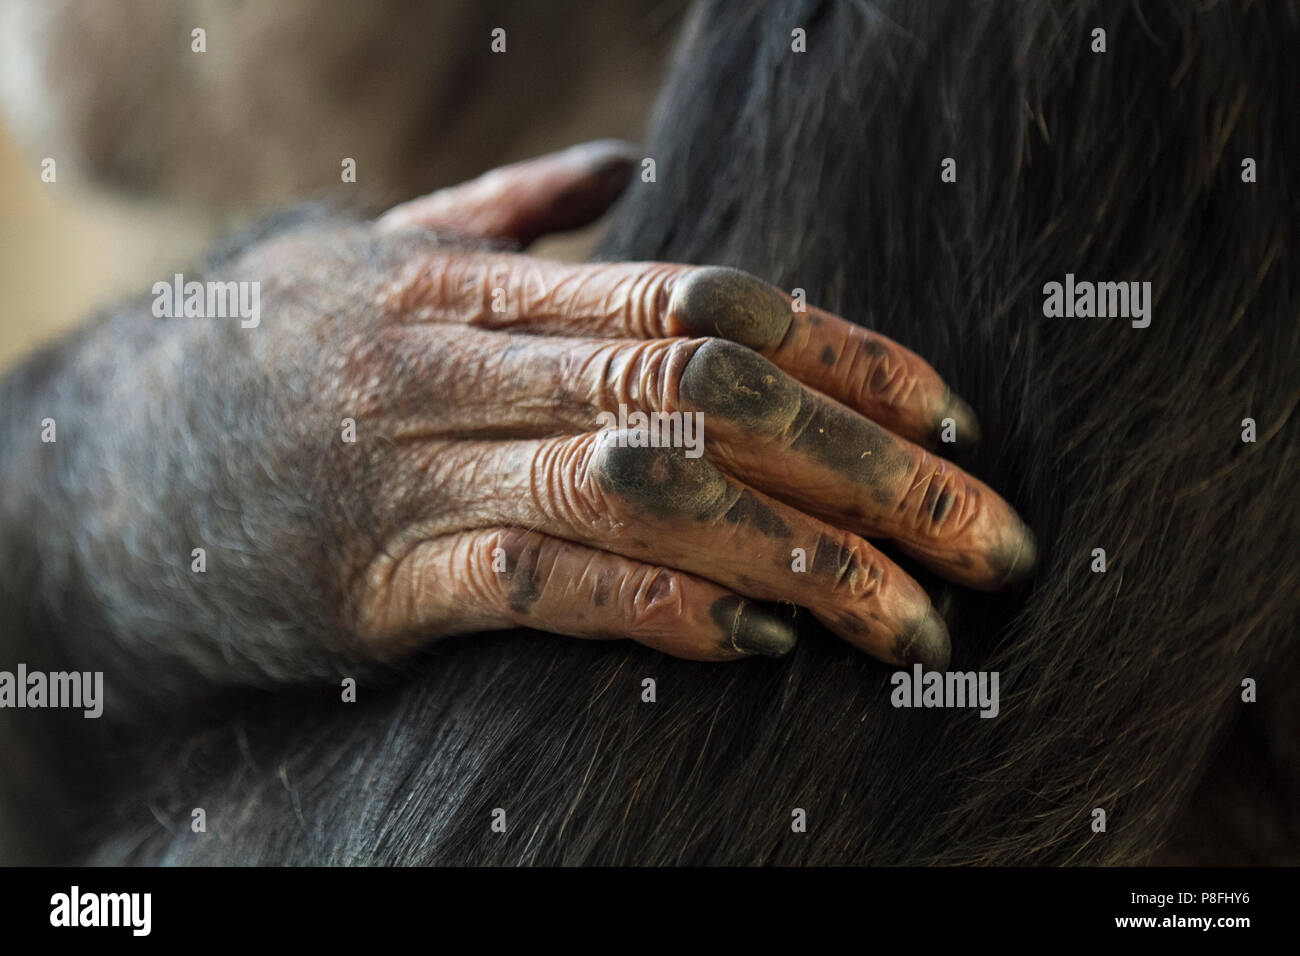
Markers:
(752, 630)
(965, 427)
(925, 643)
(1015, 561)
(724, 302)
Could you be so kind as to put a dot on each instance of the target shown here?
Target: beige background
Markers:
(68, 248)
(65, 250)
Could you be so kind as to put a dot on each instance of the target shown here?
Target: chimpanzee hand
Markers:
(408, 444)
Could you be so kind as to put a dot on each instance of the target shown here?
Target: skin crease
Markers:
(1116, 685)
(479, 492)
(510, 443)
(550, 385)
(785, 441)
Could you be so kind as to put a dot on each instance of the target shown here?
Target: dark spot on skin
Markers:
(662, 482)
(749, 628)
(751, 512)
(604, 588)
(740, 386)
(660, 588)
(938, 499)
(942, 506)
(931, 497)
(832, 559)
(839, 563)
(715, 300)
(882, 369)
(521, 568)
(856, 448)
(924, 642)
(828, 355)
(814, 320)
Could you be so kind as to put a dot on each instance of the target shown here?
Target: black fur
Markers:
(821, 171)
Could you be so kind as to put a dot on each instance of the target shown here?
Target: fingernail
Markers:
(730, 304)
(752, 630)
(925, 643)
(965, 426)
(1016, 560)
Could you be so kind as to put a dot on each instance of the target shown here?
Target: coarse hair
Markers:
(822, 171)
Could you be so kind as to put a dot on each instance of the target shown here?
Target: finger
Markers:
(659, 506)
(867, 372)
(551, 193)
(763, 427)
(829, 461)
(507, 577)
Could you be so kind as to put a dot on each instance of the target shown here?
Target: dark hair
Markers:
(821, 170)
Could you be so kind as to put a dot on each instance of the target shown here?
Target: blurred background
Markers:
(158, 148)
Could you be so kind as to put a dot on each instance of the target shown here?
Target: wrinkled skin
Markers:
(480, 491)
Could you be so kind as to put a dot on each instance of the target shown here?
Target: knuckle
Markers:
(937, 503)
(507, 567)
(883, 377)
(665, 364)
(477, 567)
(643, 298)
(717, 300)
(737, 384)
(643, 374)
(656, 602)
(853, 571)
(564, 483)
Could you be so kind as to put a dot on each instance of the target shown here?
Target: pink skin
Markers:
(480, 374)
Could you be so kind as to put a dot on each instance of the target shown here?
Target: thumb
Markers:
(525, 200)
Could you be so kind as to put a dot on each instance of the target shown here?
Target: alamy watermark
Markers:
(208, 300)
(921, 688)
(75, 908)
(656, 429)
(59, 689)
(1101, 300)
